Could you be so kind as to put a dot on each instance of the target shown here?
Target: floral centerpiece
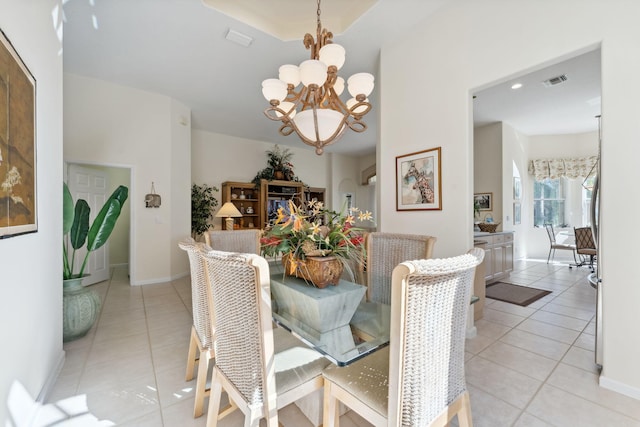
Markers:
(304, 235)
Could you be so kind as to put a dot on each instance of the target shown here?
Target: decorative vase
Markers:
(80, 309)
(279, 175)
(321, 271)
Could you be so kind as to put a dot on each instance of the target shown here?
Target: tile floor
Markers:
(528, 366)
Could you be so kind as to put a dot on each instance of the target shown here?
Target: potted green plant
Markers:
(279, 166)
(202, 204)
(81, 305)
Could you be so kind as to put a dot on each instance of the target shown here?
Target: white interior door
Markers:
(91, 185)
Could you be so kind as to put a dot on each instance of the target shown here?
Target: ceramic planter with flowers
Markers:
(315, 243)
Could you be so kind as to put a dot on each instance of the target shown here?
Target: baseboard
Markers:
(619, 387)
(123, 264)
(160, 279)
(51, 379)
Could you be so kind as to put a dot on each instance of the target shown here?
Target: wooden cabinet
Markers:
(314, 193)
(498, 258)
(248, 200)
(259, 206)
(276, 194)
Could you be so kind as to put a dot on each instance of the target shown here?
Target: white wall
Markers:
(515, 147)
(114, 125)
(487, 169)
(463, 48)
(216, 158)
(31, 283)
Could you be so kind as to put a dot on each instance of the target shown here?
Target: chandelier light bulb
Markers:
(338, 86)
(328, 123)
(360, 84)
(361, 109)
(274, 89)
(288, 108)
(332, 54)
(290, 74)
(313, 71)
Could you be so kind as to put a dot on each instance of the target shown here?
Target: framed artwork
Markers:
(517, 212)
(18, 213)
(517, 188)
(484, 201)
(418, 181)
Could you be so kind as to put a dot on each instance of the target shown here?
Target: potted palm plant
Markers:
(81, 305)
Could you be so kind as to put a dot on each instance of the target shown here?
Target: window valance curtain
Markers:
(580, 167)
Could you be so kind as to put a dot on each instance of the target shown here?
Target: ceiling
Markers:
(178, 48)
(539, 109)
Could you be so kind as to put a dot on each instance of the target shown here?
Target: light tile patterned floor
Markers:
(528, 366)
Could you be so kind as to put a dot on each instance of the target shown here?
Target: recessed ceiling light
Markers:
(516, 86)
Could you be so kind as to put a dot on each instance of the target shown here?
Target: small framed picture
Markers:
(418, 181)
(517, 188)
(484, 201)
(517, 212)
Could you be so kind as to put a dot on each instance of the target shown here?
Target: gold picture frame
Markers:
(18, 208)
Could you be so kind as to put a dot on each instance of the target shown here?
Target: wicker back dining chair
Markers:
(241, 241)
(553, 245)
(262, 369)
(201, 341)
(585, 246)
(418, 380)
(384, 252)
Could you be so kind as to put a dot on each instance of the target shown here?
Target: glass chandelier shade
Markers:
(315, 111)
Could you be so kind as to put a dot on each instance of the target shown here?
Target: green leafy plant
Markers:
(202, 204)
(278, 160)
(76, 230)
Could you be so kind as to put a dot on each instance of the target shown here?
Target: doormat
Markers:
(514, 294)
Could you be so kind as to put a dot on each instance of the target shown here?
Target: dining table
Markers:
(336, 321)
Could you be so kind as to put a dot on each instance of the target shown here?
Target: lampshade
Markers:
(313, 71)
(274, 89)
(328, 123)
(228, 210)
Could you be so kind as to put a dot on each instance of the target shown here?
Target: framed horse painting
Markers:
(418, 181)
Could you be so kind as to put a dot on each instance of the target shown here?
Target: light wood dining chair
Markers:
(262, 369)
(201, 341)
(418, 380)
(384, 252)
(241, 241)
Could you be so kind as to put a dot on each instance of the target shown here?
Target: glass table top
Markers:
(335, 321)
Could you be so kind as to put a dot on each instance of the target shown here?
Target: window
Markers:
(549, 202)
(586, 200)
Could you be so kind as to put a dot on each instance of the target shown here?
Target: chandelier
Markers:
(315, 112)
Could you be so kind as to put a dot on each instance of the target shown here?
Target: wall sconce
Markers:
(152, 200)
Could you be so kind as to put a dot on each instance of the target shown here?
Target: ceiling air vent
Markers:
(555, 80)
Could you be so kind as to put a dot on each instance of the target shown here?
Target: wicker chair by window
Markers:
(585, 246)
(201, 342)
(419, 379)
(553, 245)
(241, 241)
(384, 252)
(262, 369)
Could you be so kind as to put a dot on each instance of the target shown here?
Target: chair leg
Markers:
(201, 382)
(192, 356)
(549, 256)
(464, 416)
(330, 413)
(214, 401)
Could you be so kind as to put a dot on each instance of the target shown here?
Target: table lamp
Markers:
(228, 211)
